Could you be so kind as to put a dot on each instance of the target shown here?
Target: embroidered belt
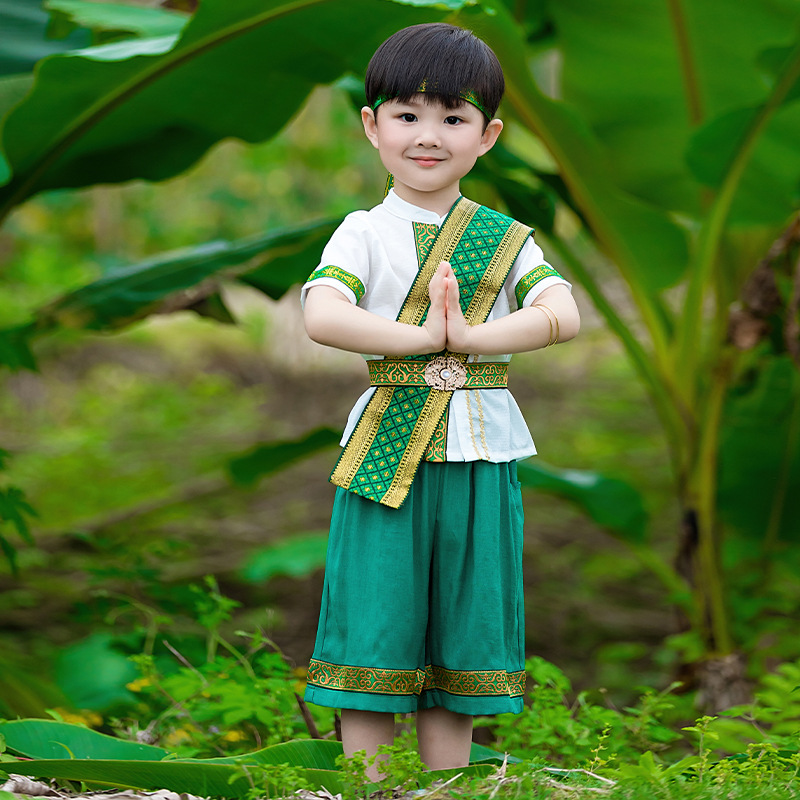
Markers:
(443, 373)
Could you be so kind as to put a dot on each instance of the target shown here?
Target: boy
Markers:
(422, 604)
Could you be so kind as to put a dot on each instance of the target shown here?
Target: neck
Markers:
(440, 202)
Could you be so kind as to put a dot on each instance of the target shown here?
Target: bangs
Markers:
(446, 60)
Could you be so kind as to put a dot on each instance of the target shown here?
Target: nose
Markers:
(428, 136)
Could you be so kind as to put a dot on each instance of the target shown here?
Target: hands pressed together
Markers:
(445, 323)
(332, 319)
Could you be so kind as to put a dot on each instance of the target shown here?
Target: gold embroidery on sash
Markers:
(437, 447)
(416, 303)
(362, 437)
(487, 291)
(434, 407)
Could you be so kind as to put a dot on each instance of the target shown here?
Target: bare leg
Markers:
(366, 730)
(444, 738)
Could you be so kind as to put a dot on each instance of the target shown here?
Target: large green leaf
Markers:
(612, 503)
(24, 41)
(311, 753)
(48, 739)
(296, 556)
(133, 292)
(759, 461)
(198, 778)
(115, 20)
(646, 74)
(758, 145)
(101, 759)
(264, 459)
(221, 777)
(148, 108)
(270, 262)
(645, 244)
(104, 685)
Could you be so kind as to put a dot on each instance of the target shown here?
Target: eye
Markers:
(408, 117)
(453, 120)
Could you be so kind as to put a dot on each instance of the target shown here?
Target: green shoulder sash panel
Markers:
(383, 453)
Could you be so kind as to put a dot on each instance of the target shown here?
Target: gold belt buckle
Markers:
(445, 373)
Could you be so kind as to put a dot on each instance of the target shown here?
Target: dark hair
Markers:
(448, 59)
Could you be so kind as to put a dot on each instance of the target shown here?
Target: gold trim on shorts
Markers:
(373, 680)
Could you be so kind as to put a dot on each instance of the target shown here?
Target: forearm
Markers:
(554, 317)
(332, 320)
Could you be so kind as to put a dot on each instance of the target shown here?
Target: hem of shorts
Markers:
(405, 704)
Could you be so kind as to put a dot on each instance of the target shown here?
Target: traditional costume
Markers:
(422, 604)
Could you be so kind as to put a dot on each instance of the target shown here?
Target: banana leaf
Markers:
(264, 459)
(189, 278)
(113, 21)
(49, 739)
(133, 292)
(198, 778)
(611, 503)
(149, 108)
(24, 42)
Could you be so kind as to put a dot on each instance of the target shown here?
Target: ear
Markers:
(371, 125)
(490, 136)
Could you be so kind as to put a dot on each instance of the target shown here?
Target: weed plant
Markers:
(241, 698)
(564, 731)
(244, 695)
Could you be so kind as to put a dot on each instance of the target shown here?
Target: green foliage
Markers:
(671, 161)
(298, 556)
(210, 777)
(101, 687)
(269, 780)
(578, 732)
(220, 706)
(124, 122)
(111, 21)
(266, 459)
(232, 702)
(14, 509)
(46, 738)
(773, 718)
(25, 24)
(618, 754)
(399, 766)
(611, 503)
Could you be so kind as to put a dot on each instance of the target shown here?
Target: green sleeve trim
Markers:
(527, 281)
(337, 273)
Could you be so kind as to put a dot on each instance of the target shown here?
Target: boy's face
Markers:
(427, 147)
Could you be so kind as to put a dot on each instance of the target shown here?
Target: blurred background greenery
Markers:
(166, 418)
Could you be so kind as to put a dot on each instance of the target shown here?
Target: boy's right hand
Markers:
(436, 321)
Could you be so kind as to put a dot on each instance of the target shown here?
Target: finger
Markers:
(453, 305)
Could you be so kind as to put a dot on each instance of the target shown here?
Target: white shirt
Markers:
(376, 255)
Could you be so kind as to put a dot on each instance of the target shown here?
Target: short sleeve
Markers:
(344, 264)
(531, 275)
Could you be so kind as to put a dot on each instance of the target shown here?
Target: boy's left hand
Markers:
(458, 331)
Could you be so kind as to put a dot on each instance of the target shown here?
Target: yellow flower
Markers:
(234, 736)
(176, 737)
(82, 717)
(138, 684)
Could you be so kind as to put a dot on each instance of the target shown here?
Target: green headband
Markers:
(466, 94)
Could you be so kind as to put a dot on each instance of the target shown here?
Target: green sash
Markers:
(383, 453)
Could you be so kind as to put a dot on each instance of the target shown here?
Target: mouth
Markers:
(426, 161)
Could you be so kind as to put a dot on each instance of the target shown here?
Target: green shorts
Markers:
(423, 605)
